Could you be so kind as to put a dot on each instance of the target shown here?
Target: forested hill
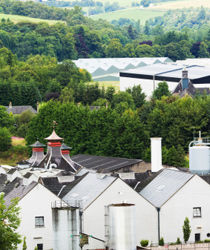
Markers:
(192, 18)
(32, 9)
(82, 37)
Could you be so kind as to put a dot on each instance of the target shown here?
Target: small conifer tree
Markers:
(24, 244)
(186, 230)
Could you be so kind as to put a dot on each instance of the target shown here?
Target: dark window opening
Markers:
(39, 246)
(197, 237)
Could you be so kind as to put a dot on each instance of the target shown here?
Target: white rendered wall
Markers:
(119, 191)
(37, 203)
(195, 193)
(146, 85)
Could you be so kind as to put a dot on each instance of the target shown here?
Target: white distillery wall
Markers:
(195, 193)
(37, 203)
(146, 85)
(119, 191)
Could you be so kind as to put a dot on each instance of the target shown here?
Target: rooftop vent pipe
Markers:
(156, 154)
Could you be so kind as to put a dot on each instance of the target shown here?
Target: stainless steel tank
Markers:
(121, 227)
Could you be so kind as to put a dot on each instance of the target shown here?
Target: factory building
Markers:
(148, 77)
(102, 207)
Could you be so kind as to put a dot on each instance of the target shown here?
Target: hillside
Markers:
(17, 19)
(131, 13)
(180, 4)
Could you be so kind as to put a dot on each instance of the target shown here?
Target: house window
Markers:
(39, 221)
(40, 246)
(197, 212)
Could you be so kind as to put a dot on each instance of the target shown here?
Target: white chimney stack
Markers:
(156, 154)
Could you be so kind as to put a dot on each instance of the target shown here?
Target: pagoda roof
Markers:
(65, 147)
(53, 137)
(38, 144)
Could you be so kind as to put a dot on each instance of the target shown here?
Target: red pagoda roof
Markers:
(53, 137)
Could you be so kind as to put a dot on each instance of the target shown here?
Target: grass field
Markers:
(106, 84)
(18, 141)
(132, 13)
(124, 3)
(180, 4)
(16, 19)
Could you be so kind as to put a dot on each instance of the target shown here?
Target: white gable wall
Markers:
(145, 217)
(146, 85)
(195, 193)
(37, 203)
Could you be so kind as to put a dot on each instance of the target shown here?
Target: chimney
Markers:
(185, 79)
(10, 105)
(156, 154)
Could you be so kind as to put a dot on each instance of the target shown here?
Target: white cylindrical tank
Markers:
(65, 228)
(199, 159)
(121, 227)
(156, 154)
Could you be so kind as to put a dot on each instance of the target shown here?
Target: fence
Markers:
(192, 246)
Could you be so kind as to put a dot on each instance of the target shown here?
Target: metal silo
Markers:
(121, 235)
(199, 159)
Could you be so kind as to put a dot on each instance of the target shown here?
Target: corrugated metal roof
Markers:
(102, 66)
(88, 189)
(171, 70)
(166, 184)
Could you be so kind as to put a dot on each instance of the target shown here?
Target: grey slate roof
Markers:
(28, 175)
(37, 144)
(164, 186)
(88, 189)
(190, 90)
(104, 164)
(20, 109)
(11, 185)
(53, 184)
(12, 171)
(65, 147)
(19, 192)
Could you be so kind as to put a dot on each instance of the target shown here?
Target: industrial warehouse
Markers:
(70, 206)
(149, 76)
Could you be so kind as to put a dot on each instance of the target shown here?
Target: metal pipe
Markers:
(153, 82)
(158, 211)
(61, 190)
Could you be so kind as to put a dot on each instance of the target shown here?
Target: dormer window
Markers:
(196, 212)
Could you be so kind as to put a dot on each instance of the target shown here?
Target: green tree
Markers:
(161, 90)
(22, 122)
(114, 49)
(123, 97)
(176, 157)
(24, 244)
(6, 120)
(203, 50)
(161, 241)
(110, 91)
(138, 95)
(9, 222)
(144, 50)
(186, 230)
(67, 95)
(5, 138)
